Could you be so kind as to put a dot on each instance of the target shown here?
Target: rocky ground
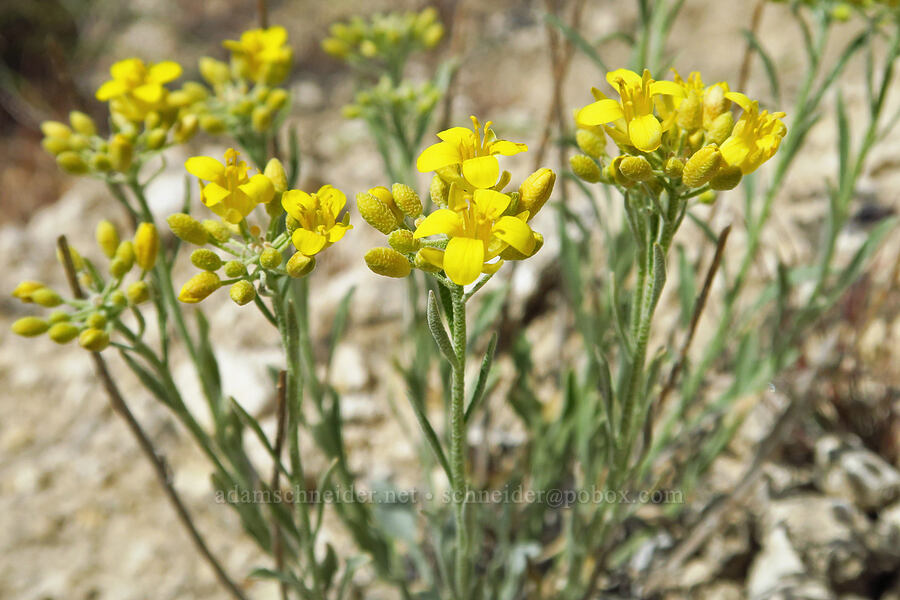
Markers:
(81, 515)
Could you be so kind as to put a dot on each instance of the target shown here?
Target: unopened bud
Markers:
(673, 168)
(376, 213)
(138, 292)
(726, 178)
(72, 163)
(95, 340)
(212, 124)
(58, 316)
(187, 228)
(107, 237)
(55, 146)
(217, 230)
(270, 258)
(535, 191)
(63, 333)
(720, 128)
(439, 190)
(25, 289)
(275, 172)
(242, 292)
(146, 246)
(205, 259)
(199, 287)
(387, 262)
(701, 167)
(592, 144)
(82, 123)
(101, 162)
(714, 103)
(277, 99)
(300, 265)
(96, 320)
(422, 263)
(30, 327)
(689, 115)
(214, 71)
(185, 128)
(55, 129)
(585, 168)
(121, 151)
(235, 268)
(46, 297)
(636, 168)
(406, 200)
(402, 241)
(261, 119)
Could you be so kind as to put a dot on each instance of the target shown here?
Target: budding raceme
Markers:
(635, 168)
(138, 292)
(374, 211)
(726, 178)
(206, 259)
(406, 200)
(387, 262)
(701, 167)
(439, 190)
(62, 333)
(30, 326)
(95, 340)
(187, 228)
(199, 287)
(535, 191)
(585, 168)
(242, 292)
(590, 143)
(300, 265)
(146, 246)
(402, 241)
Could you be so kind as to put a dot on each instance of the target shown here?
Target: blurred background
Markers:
(81, 515)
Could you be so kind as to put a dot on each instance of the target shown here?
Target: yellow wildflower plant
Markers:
(477, 233)
(317, 218)
(632, 114)
(473, 153)
(136, 88)
(230, 191)
(755, 137)
(261, 55)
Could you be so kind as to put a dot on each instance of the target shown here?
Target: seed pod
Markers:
(535, 191)
(146, 246)
(388, 262)
(300, 265)
(701, 167)
(188, 228)
(63, 333)
(205, 259)
(406, 200)
(199, 287)
(242, 292)
(94, 340)
(30, 327)
(585, 168)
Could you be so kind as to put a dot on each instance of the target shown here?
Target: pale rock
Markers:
(775, 563)
(846, 469)
(349, 370)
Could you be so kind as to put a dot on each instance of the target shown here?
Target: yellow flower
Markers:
(755, 137)
(465, 147)
(137, 88)
(230, 192)
(261, 55)
(317, 215)
(478, 233)
(642, 129)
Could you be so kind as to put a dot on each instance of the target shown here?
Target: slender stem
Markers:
(458, 441)
(277, 544)
(156, 460)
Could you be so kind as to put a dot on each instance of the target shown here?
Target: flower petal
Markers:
(507, 148)
(259, 189)
(491, 203)
(434, 256)
(629, 77)
(666, 88)
(150, 93)
(645, 133)
(110, 89)
(204, 167)
(292, 202)
(213, 194)
(438, 155)
(463, 260)
(163, 72)
(516, 233)
(482, 171)
(741, 100)
(457, 135)
(337, 232)
(599, 112)
(442, 221)
(332, 199)
(308, 242)
(126, 68)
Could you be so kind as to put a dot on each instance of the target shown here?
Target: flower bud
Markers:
(107, 237)
(97, 320)
(270, 258)
(217, 230)
(439, 190)
(592, 144)
(423, 264)
(673, 168)
(185, 128)
(63, 333)
(125, 253)
(701, 167)
(55, 129)
(118, 267)
(82, 123)
(432, 35)
(205, 259)
(510, 253)
(242, 292)
(234, 268)
(261, 119)
(58, 316)
(156, 139)
(72, 163)
(30, 327)
(335, 47)
(707, 197)
(78, 142)
(118, 299)
(714, 103)
(726, 178)
(277, 99)
(720, 128)
(199, 287)
(535, 191)
(406, 200)
(376, 213)
(212, 124)
(187, 228)
(689, 115)
(55, 146)
(146, 246)
(101, 162)
(585, 168)
(636, 168)
(25, 289)
(121, 151)
(95, 340)
(214, 71)
(402, 241)
(138, 292)
(300, 265)
(275, 172)
(46, 297)
(290, 223)
(387, 262)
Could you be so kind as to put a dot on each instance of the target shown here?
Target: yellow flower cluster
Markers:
(389, 37)
(679, 131)
(476, 225)
(92, 318)
(312, 223)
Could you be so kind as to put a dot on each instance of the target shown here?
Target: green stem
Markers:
(458, 440)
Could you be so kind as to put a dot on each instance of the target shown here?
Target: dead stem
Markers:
(156, 459)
